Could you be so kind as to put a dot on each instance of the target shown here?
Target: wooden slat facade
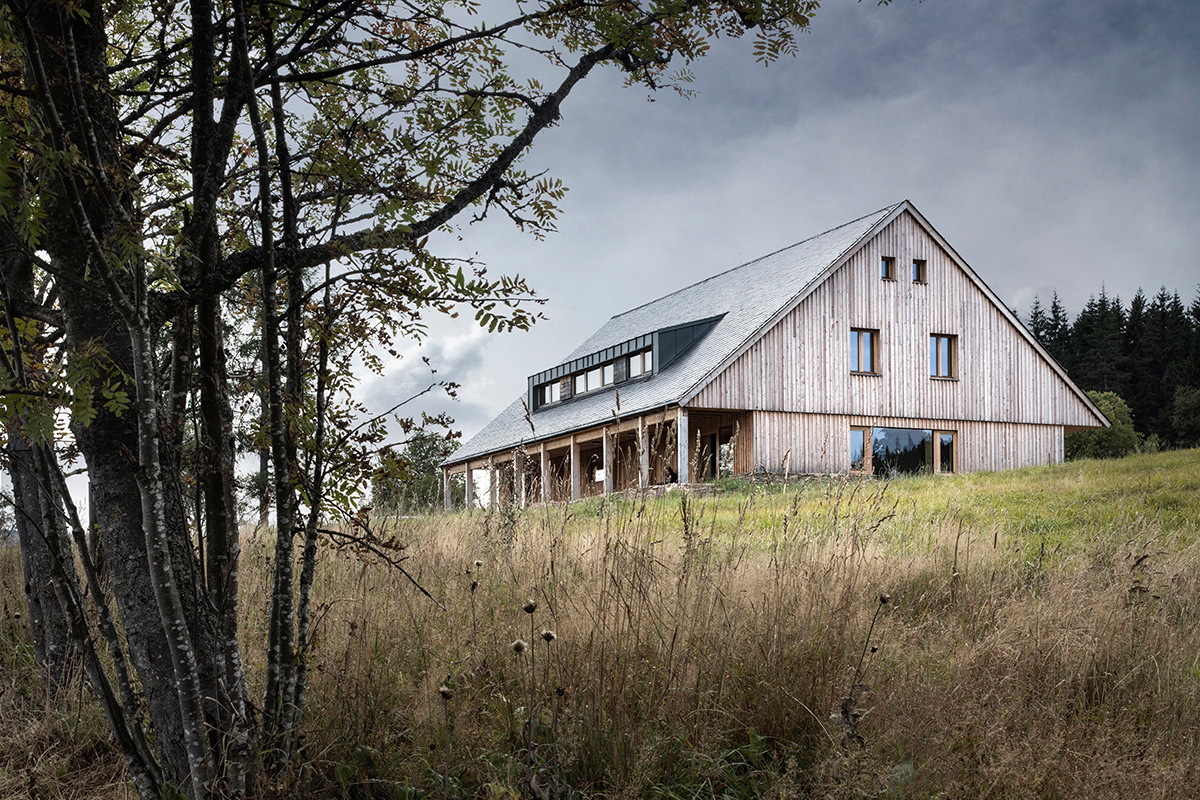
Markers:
(1006, 400)
(820, 443)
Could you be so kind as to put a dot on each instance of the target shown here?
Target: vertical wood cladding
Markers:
(820, 443)
(802, 363)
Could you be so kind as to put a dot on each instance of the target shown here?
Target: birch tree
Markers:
(173, 175)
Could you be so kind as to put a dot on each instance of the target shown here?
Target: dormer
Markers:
(634, 359)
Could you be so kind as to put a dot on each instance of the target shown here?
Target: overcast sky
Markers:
(1054, 143)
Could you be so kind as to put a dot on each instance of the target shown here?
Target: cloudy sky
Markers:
(1054, 143)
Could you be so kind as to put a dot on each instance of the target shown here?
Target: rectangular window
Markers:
(639, 363)
(942, 358)
(580, 383)
(593, 379)
(918, 271)
(607, 372)
(858, 449)
(648, 361)
(863, 347)
(901, 451)
(945, 451)
(887, 268)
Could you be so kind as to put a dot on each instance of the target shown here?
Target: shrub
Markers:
(1113, 442)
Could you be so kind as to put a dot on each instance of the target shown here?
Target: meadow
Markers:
(1034, 633)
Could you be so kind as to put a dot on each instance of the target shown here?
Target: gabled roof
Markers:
(746, 298)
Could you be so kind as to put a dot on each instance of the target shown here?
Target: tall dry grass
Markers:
(706, 646)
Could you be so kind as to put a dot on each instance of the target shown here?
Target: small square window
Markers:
(864, 346)
(887, 268)
(943, 360)
(918, 270)
(593, 379)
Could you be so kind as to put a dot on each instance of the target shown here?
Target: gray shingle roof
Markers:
(749, 296)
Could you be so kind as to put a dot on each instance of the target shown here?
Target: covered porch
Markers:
(630, 454)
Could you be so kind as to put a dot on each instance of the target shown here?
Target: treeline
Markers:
(1147, 353)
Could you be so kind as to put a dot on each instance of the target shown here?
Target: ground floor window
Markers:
(901, 451)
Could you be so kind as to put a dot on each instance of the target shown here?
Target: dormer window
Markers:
(616, 364)
(551, 393)
(641, 363)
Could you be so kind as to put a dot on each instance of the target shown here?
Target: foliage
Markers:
(1118, 440)
(213, 217)
(1185, 415)
(411, 480)
(1057, 606)
(1145, 353)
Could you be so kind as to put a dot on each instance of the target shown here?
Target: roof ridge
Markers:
(883, 212)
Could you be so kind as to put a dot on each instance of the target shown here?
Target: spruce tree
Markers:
(1058, 333)
(1039, 323)
(1097, 339)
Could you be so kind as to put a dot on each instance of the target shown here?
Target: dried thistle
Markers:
(530, 606)
(446, 692)
(519, 646)
(548, 636)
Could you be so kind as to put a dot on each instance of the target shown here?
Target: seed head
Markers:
(446, 692)
(478, 563)
(884, 599)
(519, 646)
(474, 586)
(530, 606)
(549, 636)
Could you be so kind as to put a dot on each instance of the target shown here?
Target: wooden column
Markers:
(470, 499)
(606, 447)
(681, 445)
(575, 492)
(446, 489)
(545, 464)
(519, 464)
(492, 483)
(643, 454)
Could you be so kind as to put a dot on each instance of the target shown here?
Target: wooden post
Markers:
(470, 498)
(681, 445)
(493, 488)
(446, 489)
(545, 464)
(606, 447)
(519, 465)
(643, 455)
(575, 492)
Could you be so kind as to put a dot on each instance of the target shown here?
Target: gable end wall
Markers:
(801, 364)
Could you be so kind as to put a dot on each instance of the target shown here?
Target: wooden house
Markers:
(871, 348)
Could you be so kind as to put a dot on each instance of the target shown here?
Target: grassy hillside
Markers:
(1027, 634)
